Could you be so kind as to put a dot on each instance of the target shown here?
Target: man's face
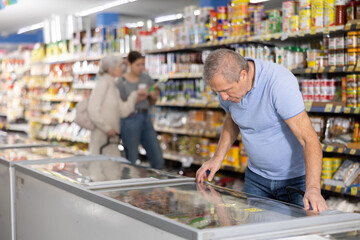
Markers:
(230, 91)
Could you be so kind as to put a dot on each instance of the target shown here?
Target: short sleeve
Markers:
(147, 80)
(286, 95)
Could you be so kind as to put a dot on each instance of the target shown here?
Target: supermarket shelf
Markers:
(341, 150)
(348, 110)
(197, 105)
(262, 38)
(165, 77)
(67, 59)
(179, 157)
(61, 139)
(353, 191)
(332, 69)
(24, 127)
(324, 107)
(85, 72)
(191, 132)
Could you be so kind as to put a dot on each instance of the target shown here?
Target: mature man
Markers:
(262, 101)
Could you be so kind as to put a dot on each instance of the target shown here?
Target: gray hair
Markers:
(108, 62)
(225, 62)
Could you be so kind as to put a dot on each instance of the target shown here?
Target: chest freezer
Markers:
(162, 209)
(19, 151)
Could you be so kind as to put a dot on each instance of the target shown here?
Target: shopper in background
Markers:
(137, 127)
(106, 107)
(262, 101)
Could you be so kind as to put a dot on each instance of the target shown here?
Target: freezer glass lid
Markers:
(204, 206)
(33, 153)
(99, 172)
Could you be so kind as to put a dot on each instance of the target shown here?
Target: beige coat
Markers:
(105, 110)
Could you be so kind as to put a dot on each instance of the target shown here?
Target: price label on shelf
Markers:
(328, 107)
(338, 109)
(333, 28)
(350, 68)
(357, 69)
(277, 36)
(262, 38)
(313, 30)
(338, 188)
(301, 33)
(340, 150)
(357, 110)
(332, 69)
(353, 151)
(326, 30)
(347, 26)
(329, 149)
(315, 70)
(267, 37)
(354, 191)
(308, 70)
(347, 110)
(250, 38)
(327, 187)
(308, 105)
(321, 69)
(358, 25)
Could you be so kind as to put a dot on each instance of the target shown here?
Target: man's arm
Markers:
(301, 126)
(229, 133)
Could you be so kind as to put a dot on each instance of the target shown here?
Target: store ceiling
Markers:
(28, 12)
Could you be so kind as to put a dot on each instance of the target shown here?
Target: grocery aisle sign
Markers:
(5, 3)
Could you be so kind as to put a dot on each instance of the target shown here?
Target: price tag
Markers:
(327, 187)
(329, 149)
(277, 36)
(313, 30)
(332, 69)
(340, 150)
(358, 25)
(352, 151)
(333, 28)
(253, 209)
(347, 110)
(268, 37)
(262, 38)
(301, 34)
(350, 68)
(354, 191)
(308, 106)
(201, 132)
(308, 70)
(321, 69)
(250, 38)
(347, 26)
(328, 107)
(338, 188)
(357, 110)
(326, 30)
(315, 70)
(338, 109)
(357, 69)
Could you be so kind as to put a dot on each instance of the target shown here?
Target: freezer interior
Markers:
(203, 206)
(99, 172)
(34, 153)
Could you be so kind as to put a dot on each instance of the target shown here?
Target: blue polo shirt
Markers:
(273, 150)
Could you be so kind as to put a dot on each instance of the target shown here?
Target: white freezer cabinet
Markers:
(165, 208)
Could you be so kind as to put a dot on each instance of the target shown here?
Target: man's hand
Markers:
(313, 196)
(213, 165)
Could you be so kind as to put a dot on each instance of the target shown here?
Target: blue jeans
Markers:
(274, 189)
(138, 129)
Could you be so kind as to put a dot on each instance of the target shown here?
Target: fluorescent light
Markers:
(135, 25)
(258, 1)
(103, 7)
(197, 12)
(168, 18)
(30, 28)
